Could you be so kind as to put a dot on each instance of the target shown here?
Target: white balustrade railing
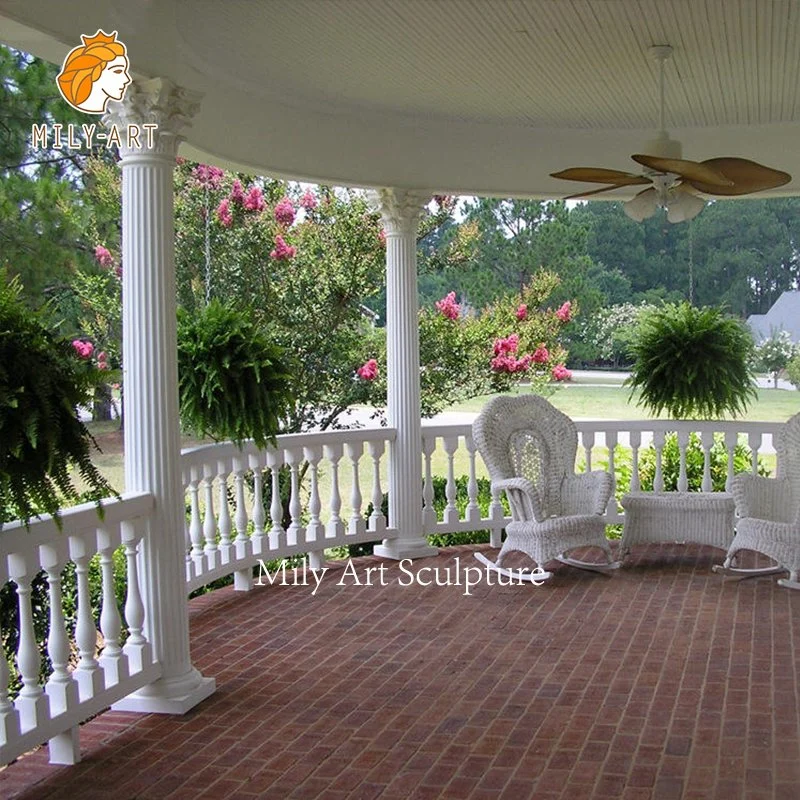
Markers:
(230, 528)
(81, 683)
(447, 444)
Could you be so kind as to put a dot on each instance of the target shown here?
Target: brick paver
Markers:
(662, 681)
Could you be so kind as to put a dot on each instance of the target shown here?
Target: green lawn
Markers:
(612, 402)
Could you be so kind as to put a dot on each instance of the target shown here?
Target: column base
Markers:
(169, 695)
(399, 549)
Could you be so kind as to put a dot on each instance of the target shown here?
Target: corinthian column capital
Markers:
(155, 102)
(400, 209)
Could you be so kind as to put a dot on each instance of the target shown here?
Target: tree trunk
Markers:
(101, 410)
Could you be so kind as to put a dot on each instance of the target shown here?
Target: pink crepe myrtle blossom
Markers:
(102, 362)
(224, 214)
(382, 237)
(507, 362)
(565, 312)
(282, 251)
(180, 160)
(103, 256)
(561, 373)
(237, 193)
(254, 201)
(522, 312)
(540, 355)
(284, 212)
(368, 371)
(506, 346)
(448, 307)
(308, 201)
(208, 176)
(82, 348)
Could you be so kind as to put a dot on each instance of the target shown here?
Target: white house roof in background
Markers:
(469, 96)
(784, 315)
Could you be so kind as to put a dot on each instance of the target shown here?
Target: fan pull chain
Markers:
(691, 262)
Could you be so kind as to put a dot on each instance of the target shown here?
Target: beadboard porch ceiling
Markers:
(469, 96)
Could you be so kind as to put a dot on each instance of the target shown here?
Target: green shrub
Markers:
(793, 371)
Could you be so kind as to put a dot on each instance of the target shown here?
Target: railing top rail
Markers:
(75, 521)
(195, 456)
(619, 425)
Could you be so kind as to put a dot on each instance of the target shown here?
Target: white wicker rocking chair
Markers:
(529, 448)
(769, 513)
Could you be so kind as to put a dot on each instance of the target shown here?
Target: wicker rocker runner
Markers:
(529, 448)
(769, 513)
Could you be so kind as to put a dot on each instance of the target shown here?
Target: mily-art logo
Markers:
(93, 74)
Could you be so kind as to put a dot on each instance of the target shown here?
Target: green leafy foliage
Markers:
(793, 371)
(233, 381)
(42, 382)
(692, 362)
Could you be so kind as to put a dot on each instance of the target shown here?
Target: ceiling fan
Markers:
(673, 182)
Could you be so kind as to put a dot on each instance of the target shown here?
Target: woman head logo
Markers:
(94, 73)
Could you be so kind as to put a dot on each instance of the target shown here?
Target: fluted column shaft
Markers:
(152, 433)
(400, 211)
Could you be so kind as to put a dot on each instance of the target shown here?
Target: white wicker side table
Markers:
(702, 517)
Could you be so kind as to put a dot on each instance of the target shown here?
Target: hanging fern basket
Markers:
(692, 363)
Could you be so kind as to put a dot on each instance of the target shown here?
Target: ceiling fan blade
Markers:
(746, 177)
(692, 171)
(599, 175)
(642, 206)
(583, 195)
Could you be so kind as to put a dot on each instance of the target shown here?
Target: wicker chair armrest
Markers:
(586, 493)
(522, 498)
(764, 498)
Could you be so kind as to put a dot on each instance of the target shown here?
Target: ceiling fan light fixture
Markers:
(642, 206)
(683, 206)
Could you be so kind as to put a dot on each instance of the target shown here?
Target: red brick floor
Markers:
(663, 681)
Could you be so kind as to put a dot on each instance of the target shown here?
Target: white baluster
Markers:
(473, 509)
(112, 660)
(195, 524)
(277, 535)
(658, 443)
(731, 440)
(451, 510)
(60, 687)
(588, 445)
(259, 516)
(611, 443)
(377, 521)
(335, 526)
(224, 522)
(683, 445)
(210, 521)
(754, 442)
(137, 649)
(315, 530)
(707, 440)
(87, 673)
(429, 517)
(32, 703)
(636, 443)
(358, 524)
(296, 532)
(242, 578)
(9, 716)
(240, 520)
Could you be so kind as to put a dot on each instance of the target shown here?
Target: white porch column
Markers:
(400, 210)
(152, 436)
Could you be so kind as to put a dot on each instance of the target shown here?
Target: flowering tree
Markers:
(775, 353)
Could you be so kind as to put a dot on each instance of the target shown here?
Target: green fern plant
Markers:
(692, 363)
(233, 381)
(42, 383)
